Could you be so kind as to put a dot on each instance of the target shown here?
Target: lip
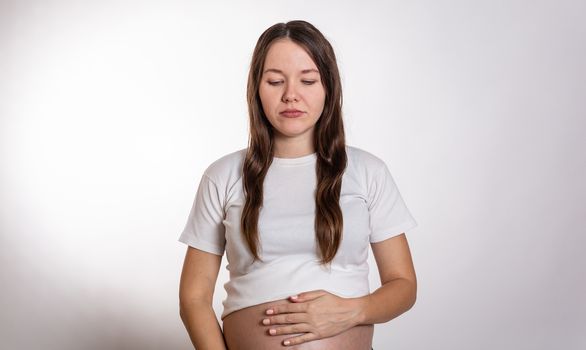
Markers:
(291, 113)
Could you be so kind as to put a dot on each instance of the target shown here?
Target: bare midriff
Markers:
(243, 330)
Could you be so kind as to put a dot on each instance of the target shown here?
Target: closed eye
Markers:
(306, 82)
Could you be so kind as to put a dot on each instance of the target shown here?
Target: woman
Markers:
(295, 213)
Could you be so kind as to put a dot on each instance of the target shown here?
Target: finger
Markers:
(291, 329)
(285, 319)
(300, 339)
(306, 296)
(286, 308)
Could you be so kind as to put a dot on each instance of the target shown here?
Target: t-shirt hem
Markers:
(202, 245)
(384, 234)
(280, 296)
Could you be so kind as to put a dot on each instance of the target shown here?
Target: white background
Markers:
(110, 111)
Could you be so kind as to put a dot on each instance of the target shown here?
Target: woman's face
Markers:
(291, 81)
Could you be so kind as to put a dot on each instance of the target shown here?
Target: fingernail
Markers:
(266, 321)
(294, 297)
(269, 311)
(272, 331)
(286, 342)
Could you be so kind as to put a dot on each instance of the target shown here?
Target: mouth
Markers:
(291, 113)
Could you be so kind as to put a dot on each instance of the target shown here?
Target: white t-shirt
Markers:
(373, 210)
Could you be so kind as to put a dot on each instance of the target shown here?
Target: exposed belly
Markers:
(243, 330)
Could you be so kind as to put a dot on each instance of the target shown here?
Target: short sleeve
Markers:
(389, 216)
(205, 229)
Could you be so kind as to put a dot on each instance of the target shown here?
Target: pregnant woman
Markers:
(296, 213)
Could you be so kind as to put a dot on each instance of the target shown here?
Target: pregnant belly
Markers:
(243, 330)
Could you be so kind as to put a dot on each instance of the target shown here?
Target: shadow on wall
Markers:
(51, 304)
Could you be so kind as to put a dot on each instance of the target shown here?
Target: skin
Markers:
(196, 288)
(313, 319)
(244, 331)
(324, 314)
(291, 80)
(319, 314)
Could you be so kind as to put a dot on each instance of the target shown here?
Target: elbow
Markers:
(187, 311)
(181, 314)
(412, 294)
(412, 301)
(187, 305)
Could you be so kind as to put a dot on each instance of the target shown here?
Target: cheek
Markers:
(266, 99)
(263, 100)
(319, 103)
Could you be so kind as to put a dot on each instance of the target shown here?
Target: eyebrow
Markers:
(281, 72)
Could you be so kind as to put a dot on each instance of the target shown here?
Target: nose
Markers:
(290, 93)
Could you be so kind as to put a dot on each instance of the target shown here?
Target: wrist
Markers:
(361, 305)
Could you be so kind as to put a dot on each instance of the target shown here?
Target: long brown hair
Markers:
(329, 140)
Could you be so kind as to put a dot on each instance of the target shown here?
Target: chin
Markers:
(297, 128)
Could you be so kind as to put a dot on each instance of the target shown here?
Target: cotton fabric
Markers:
(372, 206)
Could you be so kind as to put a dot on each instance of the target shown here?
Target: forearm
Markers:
(203, 327)
(387, 302)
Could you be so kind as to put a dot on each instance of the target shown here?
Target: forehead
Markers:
(285, 54)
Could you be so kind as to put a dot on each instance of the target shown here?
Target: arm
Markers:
(196, 289)
(320, 314)
(398, 291)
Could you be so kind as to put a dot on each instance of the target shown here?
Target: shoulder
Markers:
(364, 161)
(227, 168)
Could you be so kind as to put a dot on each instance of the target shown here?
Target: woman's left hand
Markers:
(318, 314)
